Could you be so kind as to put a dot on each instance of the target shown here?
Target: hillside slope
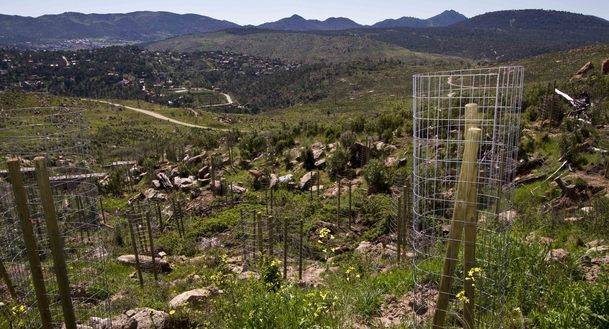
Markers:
(290, 46)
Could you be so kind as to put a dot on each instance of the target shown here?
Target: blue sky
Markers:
(259, 11)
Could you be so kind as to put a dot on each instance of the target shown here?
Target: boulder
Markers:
(145, 262)
(193, 297)
(320, 164)
(508, 216)
(78, 326)
(238, 189)
(201, 173)
(364, 247)
(605, 67)
(274, 180)
(556, 255)
(147, 318)
(307, 180)
(257, 174)
(154, 194)
(164, 180)
(317, 154)
(285, 179)
(196, 158)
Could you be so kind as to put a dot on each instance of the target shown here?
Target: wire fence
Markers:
(466, 131)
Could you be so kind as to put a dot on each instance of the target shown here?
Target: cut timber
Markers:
(29, 239)
(464, 199)
(55, 241)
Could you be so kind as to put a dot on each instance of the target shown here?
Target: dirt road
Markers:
(158, 116)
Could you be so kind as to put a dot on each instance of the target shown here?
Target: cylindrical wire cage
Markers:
(58, 134)
(440, 122)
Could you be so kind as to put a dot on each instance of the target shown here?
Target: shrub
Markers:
(376, 176)
(252, 145)
(338, 162)
(308, 160)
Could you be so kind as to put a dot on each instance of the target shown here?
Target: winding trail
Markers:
(158, 116)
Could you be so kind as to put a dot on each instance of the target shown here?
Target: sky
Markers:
(259, 11)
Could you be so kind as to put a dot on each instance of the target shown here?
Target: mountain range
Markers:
(500, 35)
(145, 26)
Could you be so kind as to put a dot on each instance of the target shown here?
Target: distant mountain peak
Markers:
(445, 18)
(299, 23)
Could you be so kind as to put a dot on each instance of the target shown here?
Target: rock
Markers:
(320, 164)
(597, 250)
(145, 262)
(183, 183)
(208, 243)
(78, 326)
(391, 161)
(154, 194)
(595, 243)
(100, 323)
(285, 179)
(573, 219)
(238, 189)
(583, 70)
(273, 182)
(255, 173)
(203, 172)
(123, 321)
(317, 154)
(556, 255)
(307, 180)
(197, 158)
(402, 162)
(605, 67)
(193, 297)
(587, 210)
(248, 275)
(147, 318)
(156, 183)
(164, 180)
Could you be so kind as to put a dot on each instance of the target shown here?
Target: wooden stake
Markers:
(338, 202)
(350, 206)
(151, 241)
(300, 250)
(159, 214)
(55, 242)
(467, 182)
(405, 216)
(135, 253)
(7, 281)
(259, 224)
(101, 208)
(285, 248)
(20, 196)
(399, 228)
(271, 235)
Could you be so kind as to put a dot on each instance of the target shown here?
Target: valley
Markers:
(211, 175)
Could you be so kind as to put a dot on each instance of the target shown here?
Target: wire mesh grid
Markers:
(441, 123)
(278, 233)
(58, 134)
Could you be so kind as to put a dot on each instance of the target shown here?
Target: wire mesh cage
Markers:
(465, 135)
(58, 135)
